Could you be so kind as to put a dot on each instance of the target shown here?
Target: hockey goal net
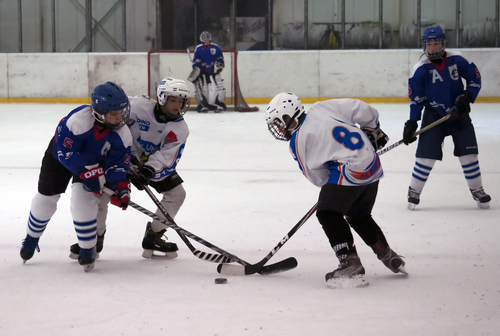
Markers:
(177, 64)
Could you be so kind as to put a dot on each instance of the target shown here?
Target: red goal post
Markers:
(177, 64)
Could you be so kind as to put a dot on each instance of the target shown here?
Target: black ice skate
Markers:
(413, 198)
(28, 248)
(482, 198)
(86, 258)
(350, 273)
(74, 250)
(153, 241)
(390, 258)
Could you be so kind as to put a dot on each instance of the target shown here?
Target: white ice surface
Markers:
(244, 193)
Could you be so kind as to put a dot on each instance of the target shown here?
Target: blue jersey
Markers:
(78, 143)
(205, 57)
(438, 86)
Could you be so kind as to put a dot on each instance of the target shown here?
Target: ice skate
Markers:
(153, 241)
(413, 198)
(482, 198)
(350, 273)
(30, 244)
(86, 258)
(390, 258)
(74, 250)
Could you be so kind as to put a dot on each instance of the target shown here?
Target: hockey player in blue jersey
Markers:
(435, 86)
(92, 147)
(208, 63)
(159, 134)
(336, 155)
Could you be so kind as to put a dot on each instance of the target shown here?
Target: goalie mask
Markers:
(175, 88)
(283, 115)
(431, 50)
(110, 97)
(206, 38)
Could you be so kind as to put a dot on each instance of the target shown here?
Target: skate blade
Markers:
(485, 205)
(402, 269)
(150, 254)
(88, 267)
(24, 261)
(75, 256)
(357, 281)
(411, 206)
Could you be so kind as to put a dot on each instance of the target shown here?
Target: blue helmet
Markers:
(110, 97)
(434, 34)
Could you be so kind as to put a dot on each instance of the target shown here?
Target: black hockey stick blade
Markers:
(281, 266)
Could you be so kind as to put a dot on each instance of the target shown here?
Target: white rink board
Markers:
(36, 75)
(266, 73)
(261, 74)
(121, 68)
(4, 83)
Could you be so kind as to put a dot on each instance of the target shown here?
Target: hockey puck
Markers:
(221, 281)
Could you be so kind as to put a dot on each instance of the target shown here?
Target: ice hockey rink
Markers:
(244, 193)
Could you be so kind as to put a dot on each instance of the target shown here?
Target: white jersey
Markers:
(330, 148)
(161, 142)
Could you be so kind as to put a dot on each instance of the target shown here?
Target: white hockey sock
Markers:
(472, 173)
(421, 172)
(84, 207)
(42, 209)
(172, 201)
(102, 213)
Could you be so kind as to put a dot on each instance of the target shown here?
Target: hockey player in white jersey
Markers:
(159, 135)
(336, 155)
(92, 147)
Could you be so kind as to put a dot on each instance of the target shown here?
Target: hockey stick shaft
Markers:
(422, 130)
(202, 255)
(259, 267)
(281, 266)
(171, 224)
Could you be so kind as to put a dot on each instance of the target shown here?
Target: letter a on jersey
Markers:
(436, 76)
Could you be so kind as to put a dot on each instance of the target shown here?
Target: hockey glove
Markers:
(377, 137)
(93, 179)
(463, 104)
(122, 196)
(408, 131)
(218, 67)
(141, 179)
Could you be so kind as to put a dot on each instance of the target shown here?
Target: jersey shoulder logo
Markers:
(453, 72)
(171, 137)
(213, 51)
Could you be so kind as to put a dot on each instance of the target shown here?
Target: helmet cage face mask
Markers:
(283, 110)
(110, 97)
(100, 118)
(434, 34)
(206, 38)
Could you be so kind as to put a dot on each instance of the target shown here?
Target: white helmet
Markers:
(173, 87)
(206, 38)
(284, 106)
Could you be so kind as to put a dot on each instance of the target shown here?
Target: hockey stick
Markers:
(238, 270)
(250, 269)
(422, 130)
(217, 258)
(281, 266)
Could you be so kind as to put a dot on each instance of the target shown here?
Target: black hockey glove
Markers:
(377, 137)
(142, 178)
(122, 197)
(463, 104)
(408, 131)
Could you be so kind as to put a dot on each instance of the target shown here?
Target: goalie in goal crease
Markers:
(208, 63)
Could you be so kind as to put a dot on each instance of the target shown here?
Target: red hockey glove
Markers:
(122, 197)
